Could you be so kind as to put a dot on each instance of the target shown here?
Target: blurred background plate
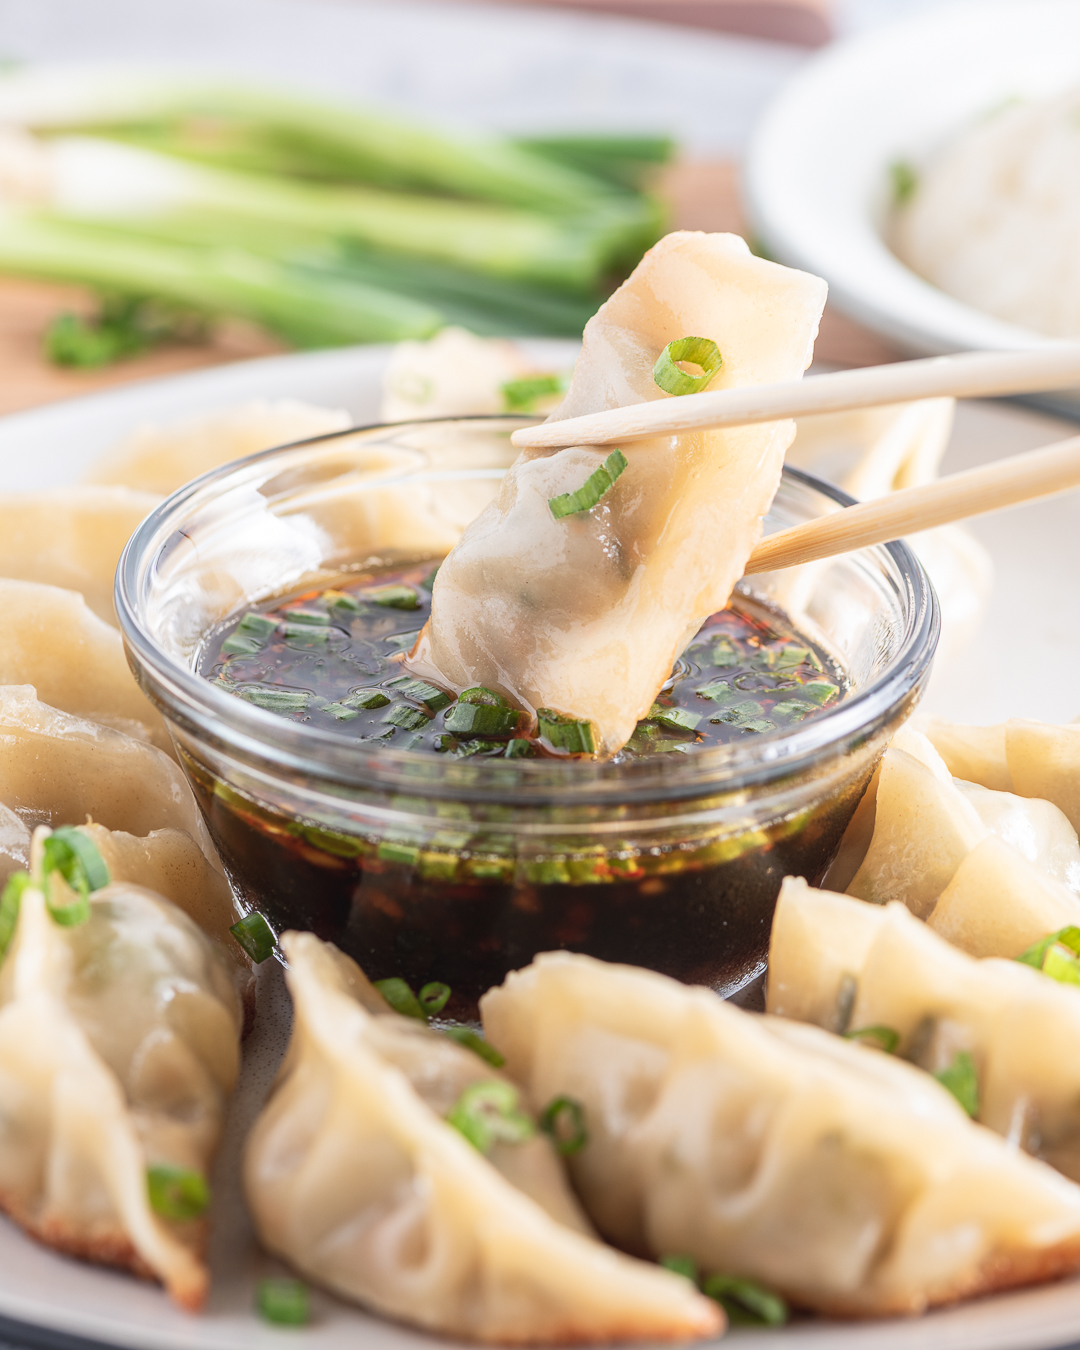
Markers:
(818, 181)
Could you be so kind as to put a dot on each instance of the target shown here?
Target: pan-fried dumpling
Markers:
(999, 903)
(1044, 761)
(58, 770)
(847, 1180)
(119, 1046)
(1004, 1033)
(1037, 829)
(354, 1176)
(71, 538)
(161, 459)
(587, 613)
(74, 660)
(975, 754)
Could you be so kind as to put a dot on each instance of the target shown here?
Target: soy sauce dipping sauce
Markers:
(332, 658)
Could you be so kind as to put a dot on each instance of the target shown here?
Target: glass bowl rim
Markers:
(266, 741)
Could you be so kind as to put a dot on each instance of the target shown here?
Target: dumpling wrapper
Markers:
(975, 754)
(57, 769)
(849, 1181)
(119, 1046)
(354, 1177)
(14, 843)
(71, 538)
(587, 614)
(844, 966)
(161, 459)
(73, 659)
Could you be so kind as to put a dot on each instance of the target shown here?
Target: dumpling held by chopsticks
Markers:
(580, 585)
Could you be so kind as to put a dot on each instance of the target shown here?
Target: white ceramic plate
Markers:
(818, 170)
(1038, 555)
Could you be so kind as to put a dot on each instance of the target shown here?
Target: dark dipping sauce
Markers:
(464, 907)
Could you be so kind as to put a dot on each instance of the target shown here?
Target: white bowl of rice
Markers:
(945, 144)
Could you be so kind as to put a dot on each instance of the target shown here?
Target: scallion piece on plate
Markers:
(564, 1121)
(401, 997)
(78, 868)
(481, 719)
(695, 351)
(177, 1193)
(746, 1302)
(685, 1266)
(599, 482)
(255, 935)
(1063, 965)
(433, 997)
(10, 903)
(962, 1080)
(883, 1038)
(489, 1113)
(522, 396)
(572, 734)
(471, 1040)
(393, 597)
(286, 1303)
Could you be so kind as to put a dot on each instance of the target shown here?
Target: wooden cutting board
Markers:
(702, 196)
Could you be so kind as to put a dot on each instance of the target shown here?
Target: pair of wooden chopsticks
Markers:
(992, 487)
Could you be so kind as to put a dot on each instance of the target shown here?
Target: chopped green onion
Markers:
(476, 1043)
(255, 935)
(342, 713)
(679, 718)
(305, 632)
(702, 352)
(274, 699)
(428, 582)
(71, 340)
(286, 1303)
(400, 640)
(571, 734)
(885, 1038)
(342, 600)
(10, 904)
(393, 597)
(423, 692)
(177, 1192)
(1061, 965)
(819, 691)
(685, 1266)
(741, 713)
(962, 1080)
(315, 618)
(746, 1302)
(366, 698)
(406, 717)
(904, 181)
(518, 749)
(257, 626)
(480, 719)
(794, 709)
(564, 1120)
(522, 396)
(1067, 939)
(434, 997)
(758, 724)
(599, 482)
(489, 1113)
(479, 694)
(74, 859)
(241, 646)
(401, 997)
(393, 850)
(717, 691)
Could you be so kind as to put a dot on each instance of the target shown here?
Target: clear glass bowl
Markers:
(432, 868)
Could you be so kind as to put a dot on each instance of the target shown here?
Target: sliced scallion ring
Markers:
(286, 1303)
(962, 1080)
(685, 1266)
(746, 1302)
(401, 997)
(71, 869)
(177, 1192)
(434, 997)
(884, 1038)
(564, 1121)
(489, 1113)
(476, 1043)
(10, 903)
(599, 482)
(697, 351)
(255, 935)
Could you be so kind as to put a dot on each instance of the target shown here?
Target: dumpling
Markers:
(849, 1181)
(74, 660)
(162, 459)
(1004, 1033)
(999, 903)
(975, 754)
(586, 614)
(58, 770)
(119, 1046)
(71, 538)
(926, 822)
(1044, 761)
(355, 1178)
